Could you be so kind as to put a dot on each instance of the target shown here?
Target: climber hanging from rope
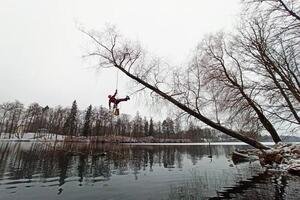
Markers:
(113, 99)
(116, 101)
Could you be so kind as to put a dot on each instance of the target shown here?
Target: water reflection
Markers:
(36, 170)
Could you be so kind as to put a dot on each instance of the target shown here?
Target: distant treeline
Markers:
(15, 118)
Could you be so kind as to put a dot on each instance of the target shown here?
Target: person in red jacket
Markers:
(115, 101)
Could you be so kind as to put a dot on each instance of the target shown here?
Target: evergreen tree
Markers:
(138, 125)
(87, 122)
(164, 127)
(168, 126)
(71, 122)
(146, 127)
(158, 128)
(151, 128)
(177, 126)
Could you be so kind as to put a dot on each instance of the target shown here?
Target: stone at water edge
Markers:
(269, 157)
(294, 170)
(296, 152)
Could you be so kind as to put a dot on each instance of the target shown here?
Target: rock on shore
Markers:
(282, 157)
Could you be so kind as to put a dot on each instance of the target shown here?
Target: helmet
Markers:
(109, 96)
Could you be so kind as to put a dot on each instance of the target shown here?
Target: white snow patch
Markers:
(31, 137)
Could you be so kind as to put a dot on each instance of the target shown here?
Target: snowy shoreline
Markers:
(282, 157)
(50, 137)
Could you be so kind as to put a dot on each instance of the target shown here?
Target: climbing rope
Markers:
(117, 85)
(117, 80)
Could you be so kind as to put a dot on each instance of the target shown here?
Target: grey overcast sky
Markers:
(41, 47)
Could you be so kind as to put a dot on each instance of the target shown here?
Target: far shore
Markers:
(135, 143)
(150, 140)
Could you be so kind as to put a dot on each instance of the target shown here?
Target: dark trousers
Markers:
(118, 101)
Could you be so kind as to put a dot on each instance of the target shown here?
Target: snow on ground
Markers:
(47, 137)
(282, 157)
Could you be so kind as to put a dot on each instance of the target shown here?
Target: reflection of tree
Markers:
(24, 162)
(51, 161)
(81, 168)
(4, 156)
(101, 168)
(169, 157)
(197, 152)
(151, 155)
(243, 185)
(179, 159)
(145, 160)
(135, 162)
(260, 186)
(55, 163)
(63, 163)
(57, 160)
(263, 185)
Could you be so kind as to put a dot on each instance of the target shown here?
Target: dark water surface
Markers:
(82, 171)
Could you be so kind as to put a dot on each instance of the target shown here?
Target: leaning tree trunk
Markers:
(188, 110)
(111, 60)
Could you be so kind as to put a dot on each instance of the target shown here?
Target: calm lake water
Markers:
(81, 171)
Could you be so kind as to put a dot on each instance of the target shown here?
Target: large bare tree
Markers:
(111, 50)
(243, 83)
(222, 70)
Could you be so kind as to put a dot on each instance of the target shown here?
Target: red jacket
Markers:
(112, 99)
